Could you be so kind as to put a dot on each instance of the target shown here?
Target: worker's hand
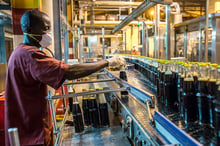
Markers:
(117, 61)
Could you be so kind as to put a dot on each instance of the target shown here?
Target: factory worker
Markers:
(29, 72)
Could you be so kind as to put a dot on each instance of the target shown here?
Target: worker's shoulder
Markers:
(23, 50)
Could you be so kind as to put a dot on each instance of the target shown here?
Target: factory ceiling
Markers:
(189, 8)
(111, 12)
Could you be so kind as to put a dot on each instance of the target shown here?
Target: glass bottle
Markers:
(181, 76)
(85, 107)
(103, 109)
(169, 99)
(188, 96)
(216, 103)
(77, 117)
(174, 67)
(195, 72)
(216, 96)
(159, 70)
(203, 110)
(161, 81)
(93, 110)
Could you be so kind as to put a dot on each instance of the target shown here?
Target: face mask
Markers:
(45, 41)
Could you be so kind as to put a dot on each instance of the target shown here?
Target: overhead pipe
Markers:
(135, 13)
(109, 3)
(113, 23)
(175, 8)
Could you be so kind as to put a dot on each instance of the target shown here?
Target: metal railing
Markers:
(50, 98)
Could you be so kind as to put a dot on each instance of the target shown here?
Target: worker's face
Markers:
(42, 27)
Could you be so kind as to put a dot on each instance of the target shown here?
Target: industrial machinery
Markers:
(145, 117)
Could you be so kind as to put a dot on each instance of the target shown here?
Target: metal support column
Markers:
(156, 30)
(143, 52)
(167, 32)
(103, 42)
(124, 42)
(214, 50)
(206, 30)
(53, 113)
(75, 53)
(200, 43)
(80, 45)
(2, 45)
(66, 37)
(185, 42)
(147, 42)
(56, 30)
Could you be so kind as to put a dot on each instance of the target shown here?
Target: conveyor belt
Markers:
(137, 108)
(204, 134)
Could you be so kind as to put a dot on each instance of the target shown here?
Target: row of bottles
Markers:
(191, 88)
(94, 111)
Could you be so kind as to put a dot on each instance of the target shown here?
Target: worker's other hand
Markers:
(116, 61)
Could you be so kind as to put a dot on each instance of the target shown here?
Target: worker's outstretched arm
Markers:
(81, 70)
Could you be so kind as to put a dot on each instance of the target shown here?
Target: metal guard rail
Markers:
(178, 134)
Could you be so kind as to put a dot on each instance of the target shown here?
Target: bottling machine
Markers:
(136, 113)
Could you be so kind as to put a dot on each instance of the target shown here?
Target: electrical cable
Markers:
(51, 53)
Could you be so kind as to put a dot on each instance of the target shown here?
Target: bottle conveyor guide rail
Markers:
(140, 126)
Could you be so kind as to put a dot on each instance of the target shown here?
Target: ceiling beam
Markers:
(135, 13)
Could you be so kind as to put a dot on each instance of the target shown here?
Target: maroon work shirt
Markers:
(29, 72)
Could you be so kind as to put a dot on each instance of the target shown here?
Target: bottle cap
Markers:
(91, 87)
(214, 65)
(189, 65)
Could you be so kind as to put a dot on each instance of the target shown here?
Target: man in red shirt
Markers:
(29, 72)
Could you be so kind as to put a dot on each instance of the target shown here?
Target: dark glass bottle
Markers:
(85, 107)
(169, 99)
(77, 117)
(174, 68)
(189, 100)
(202, 99)
(180, 77)
(161, 83)
(70, 91)
(216, 104)
(195, 70)
(103, 109)
(212, 91)
(159, 69)
(93, 110)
